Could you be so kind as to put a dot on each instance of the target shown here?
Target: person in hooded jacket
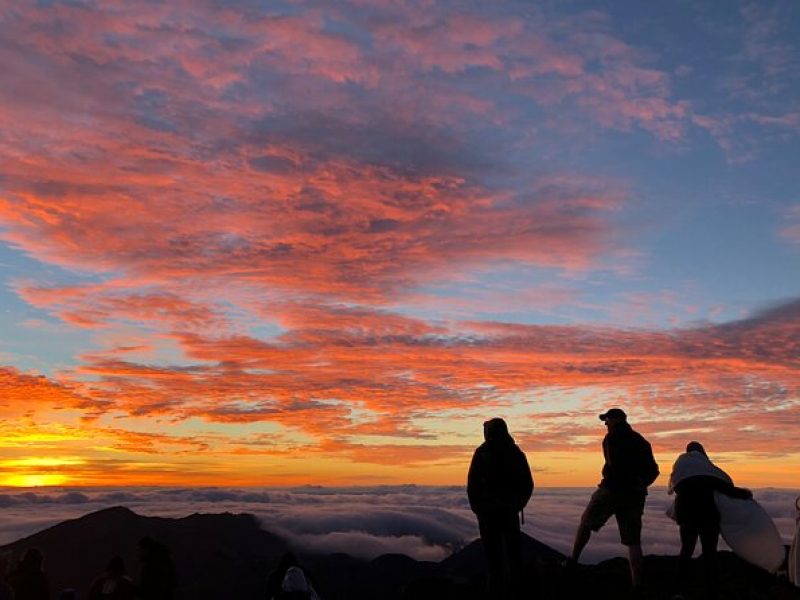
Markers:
(29, 580)
(693, 480)
(499, 485)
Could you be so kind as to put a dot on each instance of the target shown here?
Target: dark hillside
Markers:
(227, 556)
(215, 554)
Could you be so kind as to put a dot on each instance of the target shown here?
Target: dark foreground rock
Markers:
(216, 555)
(227, 556)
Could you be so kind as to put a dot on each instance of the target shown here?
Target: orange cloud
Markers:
(263, 188)
(349, 380)
(24, 393)
(353, 372)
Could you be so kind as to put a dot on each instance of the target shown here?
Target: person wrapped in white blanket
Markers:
(693, 480)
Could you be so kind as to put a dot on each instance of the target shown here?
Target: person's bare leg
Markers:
(636, 561)
(581, 539)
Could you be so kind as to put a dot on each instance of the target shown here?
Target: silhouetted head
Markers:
(147, 543)
(150, 549)
(116, 567)
(613, 416)
(696, 447)
(495, 430)
(32, 560)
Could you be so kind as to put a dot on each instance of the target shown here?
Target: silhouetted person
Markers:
(113, 584)
(6, 592)
(28, 580)
(628, 470)
(296, 586)
(288, 581)
(158, 578)
(499, 485)
(693, 480)
(275, 578)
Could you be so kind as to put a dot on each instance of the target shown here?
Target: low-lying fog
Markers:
(427, 523)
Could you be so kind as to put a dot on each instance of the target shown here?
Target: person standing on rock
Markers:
(158, 580)
(628, 470)
(693, 480)
(499, 485)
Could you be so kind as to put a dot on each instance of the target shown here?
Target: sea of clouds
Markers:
(427, 523)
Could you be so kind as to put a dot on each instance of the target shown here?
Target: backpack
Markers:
(648, 467)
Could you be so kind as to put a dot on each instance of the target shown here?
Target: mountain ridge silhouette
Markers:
(226, 555)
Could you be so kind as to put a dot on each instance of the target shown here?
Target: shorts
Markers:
(628, 508)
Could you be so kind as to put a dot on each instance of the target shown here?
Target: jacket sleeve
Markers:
(671, 484)
(475, 482)
(526, 481)
(731, 490)
(614, 453)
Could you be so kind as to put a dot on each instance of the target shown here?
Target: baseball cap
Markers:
(613, 413)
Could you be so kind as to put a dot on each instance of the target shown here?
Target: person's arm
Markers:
(525, 481)
(741, 493)
(474, 481)
(671, 484)
(614, 452)
(727, 488)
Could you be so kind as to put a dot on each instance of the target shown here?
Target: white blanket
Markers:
(750, 532)
(691, 464)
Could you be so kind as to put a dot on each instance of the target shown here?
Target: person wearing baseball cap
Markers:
(628, 470)
(613, 413)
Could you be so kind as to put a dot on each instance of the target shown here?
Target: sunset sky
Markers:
(312, 242)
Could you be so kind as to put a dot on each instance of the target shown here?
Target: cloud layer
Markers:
(426, 523)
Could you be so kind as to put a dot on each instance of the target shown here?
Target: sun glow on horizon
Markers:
(34, 480)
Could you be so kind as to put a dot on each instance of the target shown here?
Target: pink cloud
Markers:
(332, 361)
(97, 306)
(221, 169)
(185, 168)
(346, 380)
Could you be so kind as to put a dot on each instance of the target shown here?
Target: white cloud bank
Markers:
(427, 523)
